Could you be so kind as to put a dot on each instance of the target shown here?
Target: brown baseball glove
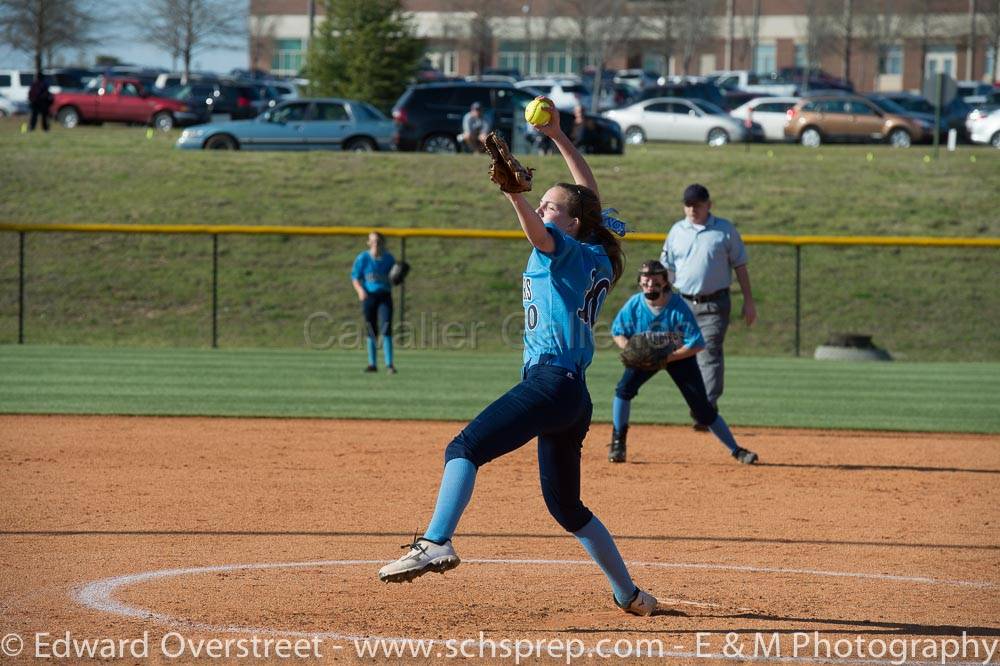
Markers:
(505, 170)
(649, 351)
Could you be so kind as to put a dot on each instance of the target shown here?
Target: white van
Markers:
(14, 84)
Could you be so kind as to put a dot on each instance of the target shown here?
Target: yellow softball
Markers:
(537, 112)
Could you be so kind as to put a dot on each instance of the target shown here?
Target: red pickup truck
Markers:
(122, 100)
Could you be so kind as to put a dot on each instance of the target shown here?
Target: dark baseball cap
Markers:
(695, 194)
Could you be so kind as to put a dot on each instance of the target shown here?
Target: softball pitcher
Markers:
(575, 262)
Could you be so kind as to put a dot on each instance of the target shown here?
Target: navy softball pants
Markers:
(687, 377)
(550, 403)
(377, 308)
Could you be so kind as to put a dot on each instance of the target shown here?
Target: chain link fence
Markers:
(294, 291)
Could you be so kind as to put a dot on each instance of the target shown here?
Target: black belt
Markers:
(705, 298)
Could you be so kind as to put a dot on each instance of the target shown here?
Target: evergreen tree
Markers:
(363, 49)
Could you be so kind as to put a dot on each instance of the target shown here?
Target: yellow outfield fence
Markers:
(798, 242)
(209, 229)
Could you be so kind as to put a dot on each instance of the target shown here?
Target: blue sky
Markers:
(135, 52)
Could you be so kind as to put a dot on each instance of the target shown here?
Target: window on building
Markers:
(654, 63)
(991, 59)
(287, 58)
(444, 60)
(890, 60)
(801, 55)
(765, 58)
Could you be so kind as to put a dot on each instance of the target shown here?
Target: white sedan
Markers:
(770, 112)
(986, 129)
(677, 119)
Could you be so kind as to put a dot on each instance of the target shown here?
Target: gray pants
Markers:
(713, 320)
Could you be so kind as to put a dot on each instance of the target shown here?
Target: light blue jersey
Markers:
(636, 317)
(373, 273)
(563, 292)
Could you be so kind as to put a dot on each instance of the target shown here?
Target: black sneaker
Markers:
(616, 449)
(371, 368)
(745, 456)
(392, 370)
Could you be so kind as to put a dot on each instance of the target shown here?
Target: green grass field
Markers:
(946, 397)
(153, 291)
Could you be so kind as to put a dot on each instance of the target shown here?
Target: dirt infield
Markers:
(109, 524)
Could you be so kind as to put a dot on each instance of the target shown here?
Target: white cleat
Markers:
(642, 603)
(424, 556)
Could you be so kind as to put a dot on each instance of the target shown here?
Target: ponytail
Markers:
(585, 206)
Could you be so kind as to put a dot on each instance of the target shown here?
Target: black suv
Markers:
(429, 116)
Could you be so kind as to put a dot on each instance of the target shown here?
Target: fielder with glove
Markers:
(657, 331)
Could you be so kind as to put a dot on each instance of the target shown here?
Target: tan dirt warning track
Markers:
(87, 498)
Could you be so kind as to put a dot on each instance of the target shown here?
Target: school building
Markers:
(893, 45)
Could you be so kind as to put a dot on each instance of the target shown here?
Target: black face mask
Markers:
(651, 295)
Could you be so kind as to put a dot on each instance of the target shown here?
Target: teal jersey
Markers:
(373, 273)
(563, 292)
(636, 317)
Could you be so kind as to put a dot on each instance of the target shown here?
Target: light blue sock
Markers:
(721, 430)
(597, 541)
(456, 490)
(620, 410)
(370, 344)
(387, 349)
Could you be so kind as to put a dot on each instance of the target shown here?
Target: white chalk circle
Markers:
(99, 595)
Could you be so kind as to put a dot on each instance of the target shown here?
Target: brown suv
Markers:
(821, 118)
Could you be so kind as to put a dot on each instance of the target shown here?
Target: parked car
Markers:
(812, 79)
(566, 94)
(986, 129)
(14, 84)
(117, 100)
(677, 119)
(890, 106)
(428, 117)
(168, 80)
(820, 118)
(238, 101)
(688, 90)
(770, 112)
(973, 92)
(512, 73)
(956, 112)
(64, 80)
(300, 124)
(636, 78)
(12, 108)
(754, 82)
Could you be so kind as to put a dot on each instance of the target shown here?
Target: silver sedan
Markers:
(677, 119)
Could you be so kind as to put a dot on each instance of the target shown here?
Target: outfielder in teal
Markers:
(370, 277)
(574, 262)
(657, 309)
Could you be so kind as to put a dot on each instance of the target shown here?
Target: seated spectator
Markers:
(475, 127)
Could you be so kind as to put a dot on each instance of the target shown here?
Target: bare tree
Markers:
(603, 29)
(881, 24)
(697, 26)
(822, 35)
(749, 28)
(185, 27)
(920, 14)
(262, 32)
(992, 13)
(483, 15)
(44, 27)
(662, 22)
